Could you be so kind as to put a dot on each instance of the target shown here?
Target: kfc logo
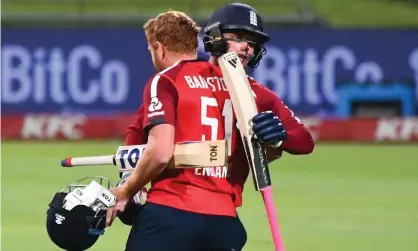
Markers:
(52, 127)
(397, 130)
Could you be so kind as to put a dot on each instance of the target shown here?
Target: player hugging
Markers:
(191, 203)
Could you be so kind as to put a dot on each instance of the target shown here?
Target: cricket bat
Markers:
(243, 102)
(186, 155)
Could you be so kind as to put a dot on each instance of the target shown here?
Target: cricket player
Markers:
(241, 30)
(184, 210)
(187, 100)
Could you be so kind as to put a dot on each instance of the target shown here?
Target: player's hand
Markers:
(268, 129)
(139, 197)
(122, 201)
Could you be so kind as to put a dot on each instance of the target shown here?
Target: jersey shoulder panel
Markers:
(184, 67)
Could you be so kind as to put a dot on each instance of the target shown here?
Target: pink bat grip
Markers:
(267, 194)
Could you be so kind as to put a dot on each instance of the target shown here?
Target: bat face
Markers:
(245, 109)
(243, 102)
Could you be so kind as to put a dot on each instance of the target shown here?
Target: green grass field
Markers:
(357, 13)
(341, 198)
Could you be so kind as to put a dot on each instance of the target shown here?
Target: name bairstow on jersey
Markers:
(214, 83)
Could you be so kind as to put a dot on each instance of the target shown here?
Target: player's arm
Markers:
(160, 101)
(135, 133)
(160, 149)
(279, 129)
(298, 140)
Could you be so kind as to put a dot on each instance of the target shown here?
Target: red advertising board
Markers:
(80, 127)
(74, 127)
(364, 130)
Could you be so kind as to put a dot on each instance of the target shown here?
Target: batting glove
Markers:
(268, 129)
(141, 196)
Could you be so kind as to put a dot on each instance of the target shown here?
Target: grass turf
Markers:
(357, 13)
(342, 197)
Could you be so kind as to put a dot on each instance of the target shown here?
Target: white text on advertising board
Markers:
(79, 75)
(298, 75)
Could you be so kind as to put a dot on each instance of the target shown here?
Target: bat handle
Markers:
(66, 162)
(267, 194)
(88, 161)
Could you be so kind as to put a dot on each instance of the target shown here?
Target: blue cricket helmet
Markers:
(235, 17)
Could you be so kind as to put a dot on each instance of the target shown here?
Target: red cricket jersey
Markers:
(186, 96)
(192, 96)
(135, 134)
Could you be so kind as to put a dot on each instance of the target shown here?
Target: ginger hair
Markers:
(175, 30)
